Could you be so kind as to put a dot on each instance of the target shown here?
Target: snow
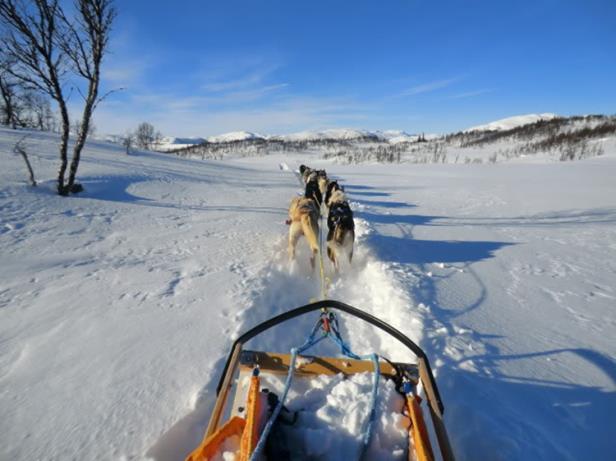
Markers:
(118, 305)
(512, 122)
(326, 403)
(234, 136)
(169, 143)
(332, 134)
(396, 136)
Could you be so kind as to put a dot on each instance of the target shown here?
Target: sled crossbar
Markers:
(278, 364)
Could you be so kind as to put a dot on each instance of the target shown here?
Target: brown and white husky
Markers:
(304, 220)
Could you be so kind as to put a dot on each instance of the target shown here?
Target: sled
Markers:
(239, 408)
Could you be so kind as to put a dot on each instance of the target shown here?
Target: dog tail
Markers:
(310, 227)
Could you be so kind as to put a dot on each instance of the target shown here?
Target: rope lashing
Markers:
(328, 325)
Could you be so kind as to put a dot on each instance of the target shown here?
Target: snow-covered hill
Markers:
(234, 136)
(169, 143)
(336, 134)
(118, 305)
(512, 122)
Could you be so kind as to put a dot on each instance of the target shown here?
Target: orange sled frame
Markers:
(424, 444)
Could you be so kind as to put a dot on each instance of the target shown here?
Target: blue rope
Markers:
(345, 350)
(311, 341)
(375, 383)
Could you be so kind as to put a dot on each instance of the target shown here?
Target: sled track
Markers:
(368, 283)
(372, 285)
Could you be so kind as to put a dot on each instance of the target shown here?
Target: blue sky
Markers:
(195, 67)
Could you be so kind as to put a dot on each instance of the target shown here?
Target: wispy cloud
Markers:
(470, 94)
(428, 87)
(229, 82)
(190, 116)
(247, 95)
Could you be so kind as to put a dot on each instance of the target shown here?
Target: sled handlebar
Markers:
(331, 304)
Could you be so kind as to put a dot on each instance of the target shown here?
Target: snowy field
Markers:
(118, 306)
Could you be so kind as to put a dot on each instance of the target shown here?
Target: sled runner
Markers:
(249, 413)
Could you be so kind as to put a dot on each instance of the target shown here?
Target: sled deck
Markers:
(244, 413)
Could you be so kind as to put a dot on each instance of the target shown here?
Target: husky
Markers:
(331, 187)
(305, 172)
(313, 190)
(304, 220)
(341, 229)
(323, 181)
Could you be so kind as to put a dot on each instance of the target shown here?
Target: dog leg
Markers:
(294, 235)
(312, 261)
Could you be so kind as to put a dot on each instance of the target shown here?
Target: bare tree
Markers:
(45, 45)
(85, 43)
(146, 135)
(128, 141)
(37, 111)
(20, 149)
(8, 91)
(32, 41)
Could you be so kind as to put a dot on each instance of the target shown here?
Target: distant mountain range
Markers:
(345, 134)
(562, 138)
(336, 134)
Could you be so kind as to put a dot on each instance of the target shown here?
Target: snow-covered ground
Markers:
(118, 306)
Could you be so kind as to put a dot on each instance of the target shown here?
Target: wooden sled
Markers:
(239, 412)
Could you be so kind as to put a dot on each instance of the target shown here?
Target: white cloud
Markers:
(470, 94)
(428, 87)
(187, 117)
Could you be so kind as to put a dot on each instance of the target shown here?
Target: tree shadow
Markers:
(412, 219)
(385, 204)
(552, 419)
(357, 187)
(594, 216)
(412, 251)
(491, 414)
(370, 194)
(115, 189)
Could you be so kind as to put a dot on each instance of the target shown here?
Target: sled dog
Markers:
(305, 172)
(341, 229)
(304, 220)
(313, 190)
(331, 187)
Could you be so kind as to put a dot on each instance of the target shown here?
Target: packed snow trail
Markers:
(283, 285)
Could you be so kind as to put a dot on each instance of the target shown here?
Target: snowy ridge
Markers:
(182, 141)
(396, 136)
(331, 134)
(169, 143)
(334, 134)
(512, 122)
(234, 136)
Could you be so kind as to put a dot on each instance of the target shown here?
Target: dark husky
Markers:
(341, 229)
(313, 190)
(331, 188)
